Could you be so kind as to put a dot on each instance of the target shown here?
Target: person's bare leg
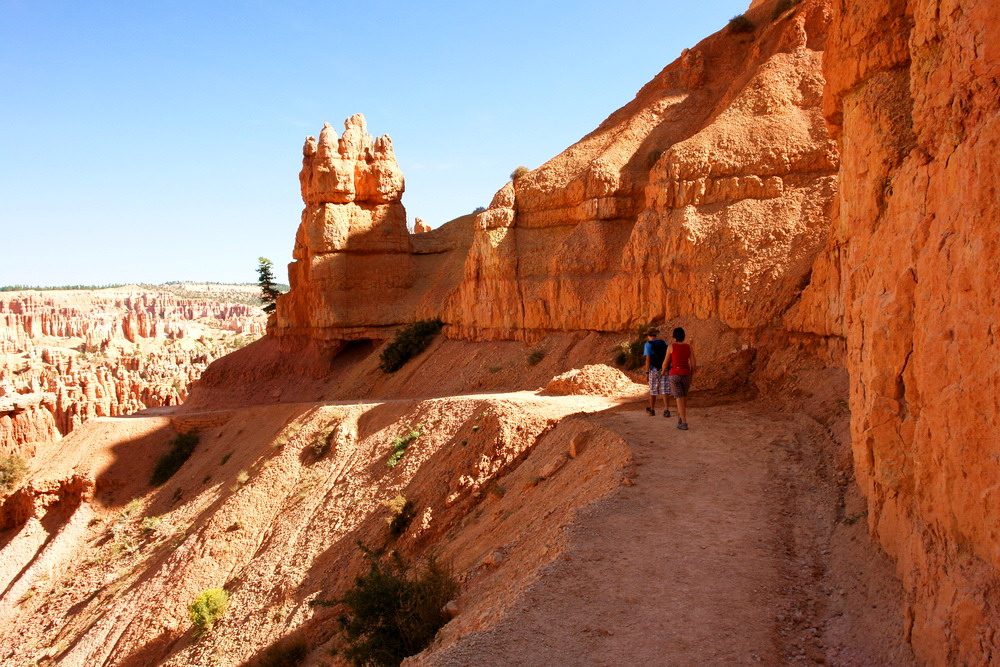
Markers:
(652, 402)
(666, 404)
(682, 409)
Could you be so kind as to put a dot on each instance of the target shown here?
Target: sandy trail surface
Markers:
(738, 542)
(722, 552)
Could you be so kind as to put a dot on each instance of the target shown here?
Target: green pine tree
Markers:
(269, 291)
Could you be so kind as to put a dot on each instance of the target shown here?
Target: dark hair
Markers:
(678, 334)
(652, 331)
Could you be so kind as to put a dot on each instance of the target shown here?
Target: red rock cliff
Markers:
(68, 356)
(840, 220)
(710, 189)
(913, 95)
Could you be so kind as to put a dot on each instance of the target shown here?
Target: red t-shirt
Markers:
(680, 354)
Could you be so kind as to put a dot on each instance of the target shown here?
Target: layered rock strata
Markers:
(794, 209)
(913, 94)
(712, 188)
(66, 357)
(352, 248)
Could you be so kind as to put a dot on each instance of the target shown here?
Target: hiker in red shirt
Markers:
(680, 365)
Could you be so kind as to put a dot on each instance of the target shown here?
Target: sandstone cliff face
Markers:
(773, 214)
(66, 357)
(358, 272)
(352, 249)
(711, 188)
(25, 419)
(914, 97)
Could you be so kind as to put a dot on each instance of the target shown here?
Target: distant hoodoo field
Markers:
(811, 193)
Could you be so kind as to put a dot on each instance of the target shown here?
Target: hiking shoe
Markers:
(683, 426)
(651, 411)
(666, 413)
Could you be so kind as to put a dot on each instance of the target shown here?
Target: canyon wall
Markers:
(712, 187)
(358, 272)
(913, 96)
(818, 194)
(68, 356)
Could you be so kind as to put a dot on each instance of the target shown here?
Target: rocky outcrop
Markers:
(68, 356)
(913, 95)
(712, 187)
(352, 239)
(25, 419)
(819, 193)
(358, 272)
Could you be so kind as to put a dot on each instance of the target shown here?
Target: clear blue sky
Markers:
(156, 141)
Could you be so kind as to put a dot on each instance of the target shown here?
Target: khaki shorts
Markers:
(679, 385)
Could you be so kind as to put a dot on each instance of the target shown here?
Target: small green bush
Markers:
(208, 608)
(400, 444)
(393, 613)
(402, 513)
(288, 652)
(536, 355)
(13, 468)
(323, 441)
(629, 355)
(170, 462)
(152, 524)
(519, 172)
(408, 343)
(740, 23)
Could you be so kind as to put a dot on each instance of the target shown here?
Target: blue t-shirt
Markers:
(656, 350)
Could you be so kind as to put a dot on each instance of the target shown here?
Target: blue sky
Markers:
(156, 141)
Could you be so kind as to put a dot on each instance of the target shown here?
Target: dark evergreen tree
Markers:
(269, 291)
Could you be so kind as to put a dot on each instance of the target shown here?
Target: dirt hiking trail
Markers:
(730, 547)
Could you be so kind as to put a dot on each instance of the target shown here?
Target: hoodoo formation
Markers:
(812, 194)
(69, 356)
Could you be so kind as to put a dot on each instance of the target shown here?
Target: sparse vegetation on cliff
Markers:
(181, 448)
(400, 444)
(536, 356)
(208, 608)
(12, 471)
(394, 612)
(519, 172)
(408, 343)
(740, 23)
(629, 353)
(402, 513)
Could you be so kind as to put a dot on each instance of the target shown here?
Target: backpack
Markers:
(658, 348)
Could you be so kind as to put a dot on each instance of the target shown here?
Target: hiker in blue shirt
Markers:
(654, 353)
